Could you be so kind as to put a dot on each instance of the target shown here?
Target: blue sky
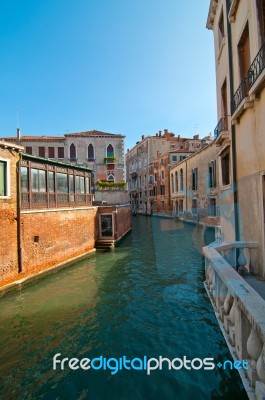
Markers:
(121, 66)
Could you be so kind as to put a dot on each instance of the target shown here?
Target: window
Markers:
(212, 174)
(80, 184)
(110, 151)
(174, 158)
(162, 161)
(62, 182)
(181, 205)
(51, 181)
(71, 184)
(110, 178)
(72, 152)
(162, 190)
(90, 152)
(212, 211)
(225, 166)
(162, 175)
(261, 19)
(194, 209)
(60, 152)
(41, 151)
(181, 180)
(176, 181)
(244, 56)
(51, 152)
(172, 183)
(195, 179)
(29, 150)
(38, 180)
(221, 30)
(3, 178)
(182, 158)
(155, 179)
(224, 99)
(151, 179)
(24, 179)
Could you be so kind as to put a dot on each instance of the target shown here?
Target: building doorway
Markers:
(106, 225)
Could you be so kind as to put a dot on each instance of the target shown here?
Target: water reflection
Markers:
(145, 298)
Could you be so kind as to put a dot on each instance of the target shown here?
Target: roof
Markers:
(94, 134)
(55, 162)
(12, 146)
(36, 139)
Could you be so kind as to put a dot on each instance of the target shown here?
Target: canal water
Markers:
(145, 299)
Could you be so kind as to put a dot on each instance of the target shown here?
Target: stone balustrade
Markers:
(239, 308)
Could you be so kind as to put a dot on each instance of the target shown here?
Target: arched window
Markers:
(110, 151)
(172, 184)
(176, 181)
(90, 152)
(181, 180)
(72, 152)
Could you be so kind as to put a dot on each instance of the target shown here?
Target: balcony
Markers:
(110, 160)
(239, 95)
(257, 67)
(249, 87)
(221, 130)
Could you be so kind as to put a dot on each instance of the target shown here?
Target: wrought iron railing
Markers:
(220, 127)
(239, 95)
(257, 66)
(255, 70)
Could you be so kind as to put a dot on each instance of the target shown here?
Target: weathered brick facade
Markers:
(121, 217)
(9, 156)
(53, 237)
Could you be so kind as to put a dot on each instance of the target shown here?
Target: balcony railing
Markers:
(220, 127)
(110, 160)
(255, 70)
(239, 95)
(238, 307)
(257, 66)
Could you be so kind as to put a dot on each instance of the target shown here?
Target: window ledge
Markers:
(226, 187)
(246, 103)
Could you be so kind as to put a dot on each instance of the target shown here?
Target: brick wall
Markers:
(122, 219)
(52, 237)
(8, 219)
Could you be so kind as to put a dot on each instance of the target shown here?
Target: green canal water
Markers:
(144, 299)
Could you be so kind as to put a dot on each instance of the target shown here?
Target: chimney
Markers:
(156, 134)
(160, 133)
(142, 137)
(18, 136)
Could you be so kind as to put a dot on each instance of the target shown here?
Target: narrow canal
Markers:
(144, 299)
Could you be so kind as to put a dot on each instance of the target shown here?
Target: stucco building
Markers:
(102, 152)
(194, 187)
(239, 35)
(147, 165)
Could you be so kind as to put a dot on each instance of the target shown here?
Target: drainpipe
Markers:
(19, 239)
(233, 128)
